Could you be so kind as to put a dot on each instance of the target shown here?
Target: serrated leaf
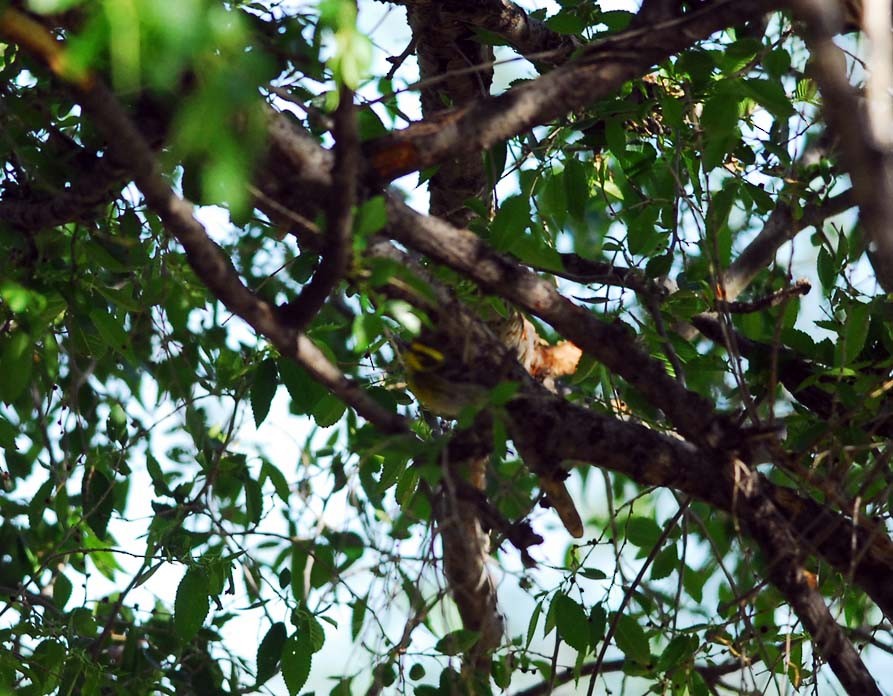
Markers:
(263, 389)
(269, 652)
(598, 624)
(643, 532)
(97, 500)
(328, 411)
(16, 359)
(305, 392)
(297, 657)
(677, 653)
(457, 642)
(111, 330)
(191, 604)
(277, 478)
(571, 622)
(631, 639)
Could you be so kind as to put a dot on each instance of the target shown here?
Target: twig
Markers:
(800, 287)
(339, 220)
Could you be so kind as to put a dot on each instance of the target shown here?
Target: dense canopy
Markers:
(445, 347)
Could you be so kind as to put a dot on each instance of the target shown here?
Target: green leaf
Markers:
(47, 660)
(192, 603)
(62, 588)
(358, 616)
(576, 185)
(266, 379)
(571, 622)
(17, 360)
(254, 502)
(593, 574)
(566, 22)
(771, 94)
(510, 222)
(297, 656)
(720, 114)
(631, 639)
(678, 653)
(111, 330)
(16, 297)
(643, 532)
(531, 625)
(277, 478)
(328, 411)
(371, 217)
(855, 331)
(97, 500)
(305, 392)
(8, 434)
(270, 651)
(457, 642)
(664, 563)
(777, 62)
(598, 624)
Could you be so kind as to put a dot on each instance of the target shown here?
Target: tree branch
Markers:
(339, 220)
(205, 257)
(599, 70)
(523, 33)
(611, 344)
(778, 229)
(869, 162)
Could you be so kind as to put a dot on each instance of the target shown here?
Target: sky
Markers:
(283, 436)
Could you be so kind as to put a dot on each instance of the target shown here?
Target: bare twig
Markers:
(800, 287)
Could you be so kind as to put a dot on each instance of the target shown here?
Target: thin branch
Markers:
(519, 534)
(800, 287)
(630, 591)
(611, 344)
(710, 673)
(339, 220)
(206, 258)
(780, 227)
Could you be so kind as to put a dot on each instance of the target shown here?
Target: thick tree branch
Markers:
(598, 71)
(611, 344)
(95, 186)
(869, 162)
(446, 46)
(523, 33)
(780, 227)
(869, 560)
(208, 261)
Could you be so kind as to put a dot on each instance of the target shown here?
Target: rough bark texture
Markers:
(712, 463)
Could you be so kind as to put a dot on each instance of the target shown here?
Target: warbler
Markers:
(440, 382)
(444, 384)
